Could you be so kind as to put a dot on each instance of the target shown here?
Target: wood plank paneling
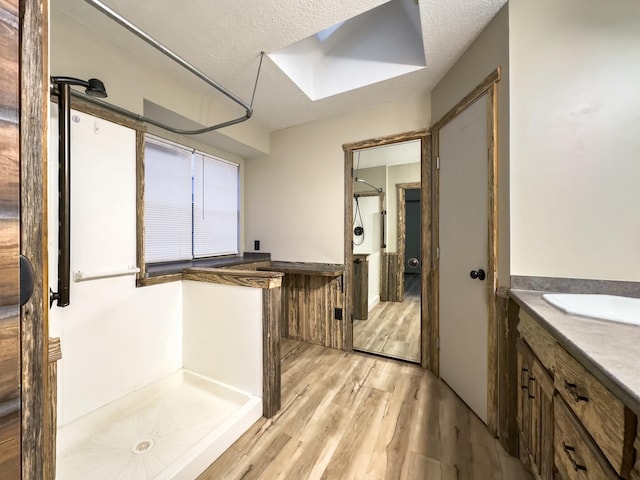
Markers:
(390, 280)
(9, 355)
(507, 321)
(9, 445)
(55, 354)
(308, 309)
(10, 396)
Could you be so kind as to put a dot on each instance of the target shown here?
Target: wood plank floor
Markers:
(356, 416)
(393, 328)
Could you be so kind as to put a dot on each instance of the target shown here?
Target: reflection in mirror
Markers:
(386, 250)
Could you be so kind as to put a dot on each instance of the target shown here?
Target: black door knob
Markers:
(479, 274)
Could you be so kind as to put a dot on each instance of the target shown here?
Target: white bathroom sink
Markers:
(604, 307)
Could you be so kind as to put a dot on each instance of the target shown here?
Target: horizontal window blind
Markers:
(167, 201)
(191, 204)
(215, 206)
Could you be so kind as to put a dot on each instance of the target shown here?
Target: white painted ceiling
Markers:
(224, 38)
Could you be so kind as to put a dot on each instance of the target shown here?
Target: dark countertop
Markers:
(306, 268)
(609, 350)
(168, 268)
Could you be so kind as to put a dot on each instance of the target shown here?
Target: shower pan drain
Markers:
(143, 446)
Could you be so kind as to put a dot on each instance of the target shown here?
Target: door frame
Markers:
(488, 86)
(38, 428)
(401, 189)
(426, 160)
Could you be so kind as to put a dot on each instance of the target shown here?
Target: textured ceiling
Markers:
(223, 38)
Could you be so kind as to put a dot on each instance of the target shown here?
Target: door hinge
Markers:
(352, 171)
(337, 313)
(437, 163)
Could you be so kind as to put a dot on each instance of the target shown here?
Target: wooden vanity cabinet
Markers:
(535, 413)
(570, 425)
(607, 420)
(635, 473)
(576, 455)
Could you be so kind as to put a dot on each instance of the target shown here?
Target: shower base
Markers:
(171, 429)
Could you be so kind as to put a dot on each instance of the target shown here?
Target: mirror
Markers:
(387, 250)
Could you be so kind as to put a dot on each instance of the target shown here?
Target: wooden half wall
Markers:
(311, 293)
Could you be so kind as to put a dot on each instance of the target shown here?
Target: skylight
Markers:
(380, 44)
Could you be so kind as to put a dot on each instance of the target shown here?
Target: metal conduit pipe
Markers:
(179, 60)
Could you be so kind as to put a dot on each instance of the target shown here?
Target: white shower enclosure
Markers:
(154, 382)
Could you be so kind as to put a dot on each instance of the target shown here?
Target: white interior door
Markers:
(464, 248)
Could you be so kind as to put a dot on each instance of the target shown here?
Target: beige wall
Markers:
(295, 196)
(575, 143)
(489, 51)
(79, 52)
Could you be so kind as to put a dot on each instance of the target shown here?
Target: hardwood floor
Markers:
(355, 416)
(393, 328)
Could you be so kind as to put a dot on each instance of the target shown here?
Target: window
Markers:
(190, 203)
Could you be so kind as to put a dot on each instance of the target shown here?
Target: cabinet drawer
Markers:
(577, 458)
(606, 419)
(540, 341)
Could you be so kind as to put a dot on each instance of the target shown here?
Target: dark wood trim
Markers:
(401, 231)
(388, 140)
(158, 280)
(306, 268)
(489, 87)
(34, 91)
(429, 345)
(140, 206)
(347, 281)
(90, 108)
(492, 274)
(241, 278)
(471, 97)
(271, 365)
(424, 135)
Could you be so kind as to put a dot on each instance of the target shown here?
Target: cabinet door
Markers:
(524, 359)
(543, 406)
(535, 413)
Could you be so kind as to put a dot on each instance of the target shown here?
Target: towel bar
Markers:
(80, 276)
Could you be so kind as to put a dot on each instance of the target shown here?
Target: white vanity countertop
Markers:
(609, 350)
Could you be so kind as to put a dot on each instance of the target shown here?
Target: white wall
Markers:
(489, 51)
(222, 333)
(370, 218)
(115, 338)
(77, 51)
(295, 196)
(575, 142)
